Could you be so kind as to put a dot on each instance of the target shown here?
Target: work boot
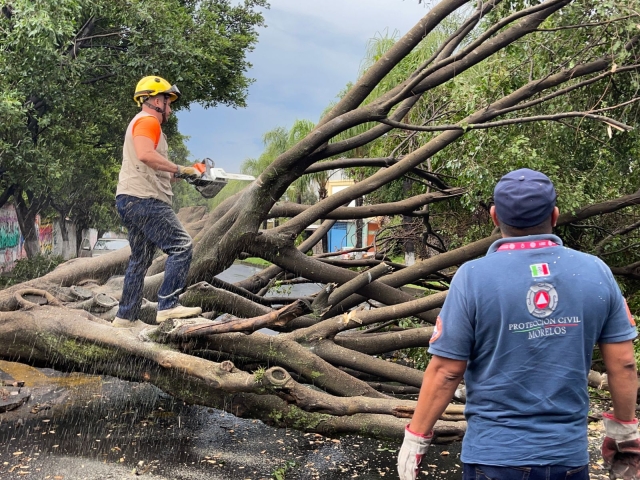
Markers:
(177, 312)
(123, 323)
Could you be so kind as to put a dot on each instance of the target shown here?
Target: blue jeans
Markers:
(552, 472)
(152, 223)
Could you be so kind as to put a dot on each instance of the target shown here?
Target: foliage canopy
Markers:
(67, 73)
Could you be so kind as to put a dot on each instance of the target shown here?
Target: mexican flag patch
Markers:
(539, 270)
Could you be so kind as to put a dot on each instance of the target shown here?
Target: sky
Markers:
(308, 52)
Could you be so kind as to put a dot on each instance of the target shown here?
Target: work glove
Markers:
(413, 449)
(621, 448)
(187, 172)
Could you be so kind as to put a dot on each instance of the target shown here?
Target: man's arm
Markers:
(621, 444)
(620, 363)
(441, 378)
(147, 154)
(438, 386)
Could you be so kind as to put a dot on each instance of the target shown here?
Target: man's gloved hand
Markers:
(621, 448)
(187, 172)
(413, 449)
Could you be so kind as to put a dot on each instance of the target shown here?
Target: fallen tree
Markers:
(321, 366)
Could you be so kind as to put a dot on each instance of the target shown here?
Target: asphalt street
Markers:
(84, 427)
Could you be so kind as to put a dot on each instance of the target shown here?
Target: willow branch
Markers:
(621, 231)
(583, 25)
(382, 162)
(481, 47)
(510, 121)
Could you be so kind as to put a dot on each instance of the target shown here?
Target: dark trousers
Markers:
(152, 224)
(552, 472)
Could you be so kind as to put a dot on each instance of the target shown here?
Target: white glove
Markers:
(621, 447)
(186, 172)
(413, 449)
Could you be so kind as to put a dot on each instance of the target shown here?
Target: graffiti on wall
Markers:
(10, 238)
(46, 238)
(9, 233)
(12, 242)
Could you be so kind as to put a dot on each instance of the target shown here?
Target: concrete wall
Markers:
(12, 242)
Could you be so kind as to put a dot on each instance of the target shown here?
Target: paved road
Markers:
(240, 271)
(83, 427)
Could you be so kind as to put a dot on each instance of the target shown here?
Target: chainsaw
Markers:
(212, 179)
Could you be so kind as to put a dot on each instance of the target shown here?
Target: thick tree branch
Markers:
(599, 248)
(262, 279)
(281, 351)
(364, 262)
(330, 295)
(355, 284)
(7, 194)
(631, 271)
(424, 268)
(343, 163)
(337, 355)
(379, 343)
(181, 329)
(600, 208)
(382, 209)
(367, 82)
(360, 318)
(292, 260)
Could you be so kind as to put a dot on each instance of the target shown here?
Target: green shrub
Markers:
(29, 268)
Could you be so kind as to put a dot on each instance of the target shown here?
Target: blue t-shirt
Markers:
(526, 318)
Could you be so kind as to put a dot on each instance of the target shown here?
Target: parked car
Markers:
(102, 246)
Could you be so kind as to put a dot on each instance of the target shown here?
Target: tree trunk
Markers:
(64, 233)
(27, 216)
(76, 340)
(359, 225)
(409, 247)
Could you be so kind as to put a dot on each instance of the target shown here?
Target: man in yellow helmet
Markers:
(143, 200)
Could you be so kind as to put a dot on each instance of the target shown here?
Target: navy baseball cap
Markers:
(524, 198)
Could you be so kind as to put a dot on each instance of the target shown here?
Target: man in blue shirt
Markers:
(520, 325)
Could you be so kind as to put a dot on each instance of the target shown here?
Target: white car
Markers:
(102, 246)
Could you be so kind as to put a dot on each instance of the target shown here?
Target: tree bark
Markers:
(27, 220)
(359, 225)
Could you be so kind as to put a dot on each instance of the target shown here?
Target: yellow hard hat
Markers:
(152, 85)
